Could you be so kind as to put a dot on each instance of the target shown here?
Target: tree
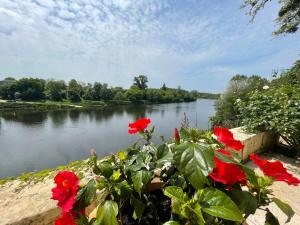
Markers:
(55, 90)
(288, 16)
(238, 88)
(88, 92)
(74, 91)
(164, 87)
(140, 82)
(31, 88)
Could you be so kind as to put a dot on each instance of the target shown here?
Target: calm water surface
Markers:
(35, 141)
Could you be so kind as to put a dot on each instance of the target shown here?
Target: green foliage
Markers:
(275, 110)
(55, 90)
(74, 91)
(238, 88)
(170, 184)
(289, 212)
(30, 88)
(140, 82)
(89, 94)
(288, 16)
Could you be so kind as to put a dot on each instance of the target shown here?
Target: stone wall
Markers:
(254, 142)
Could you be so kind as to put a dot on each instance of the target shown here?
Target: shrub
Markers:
(193, 180)
(276, 110)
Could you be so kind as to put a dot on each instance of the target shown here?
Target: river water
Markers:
(35, 141)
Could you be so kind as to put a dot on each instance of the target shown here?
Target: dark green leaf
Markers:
(85, 195)
(251, 177)
(106, 169)
(195, 161)
(140, 179)
(138, 207)
(163, 155)
(244, 200)
(271, 219)
(284, 208)
(217, 203)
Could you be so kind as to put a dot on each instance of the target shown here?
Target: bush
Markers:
(237, 89)
(276, 110)
(190, 181)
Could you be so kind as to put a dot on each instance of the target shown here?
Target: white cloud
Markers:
(111, 41)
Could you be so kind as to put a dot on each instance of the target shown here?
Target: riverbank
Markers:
(23, 106)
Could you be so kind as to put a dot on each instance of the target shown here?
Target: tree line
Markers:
(35, 89)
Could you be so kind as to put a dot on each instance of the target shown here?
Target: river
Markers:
(35, 141)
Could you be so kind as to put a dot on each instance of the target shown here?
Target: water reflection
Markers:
(34, 141)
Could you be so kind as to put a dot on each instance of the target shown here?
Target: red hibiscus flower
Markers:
(225, 136)
(227, 173)
(65, 219)
(66, 189)
(275, 170)
(139, 125)
(176, 136)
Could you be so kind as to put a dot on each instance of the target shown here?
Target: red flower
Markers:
(275, 170)
(225, 136)
(65, 219)
(66, 189)
(138, 125)
(227, 173)
(235, 145)
(176, 136)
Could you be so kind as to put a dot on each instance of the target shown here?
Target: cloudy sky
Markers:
(197, 44)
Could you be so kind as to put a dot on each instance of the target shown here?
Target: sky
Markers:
(195, 44)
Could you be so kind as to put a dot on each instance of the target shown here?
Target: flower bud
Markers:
(176, 136)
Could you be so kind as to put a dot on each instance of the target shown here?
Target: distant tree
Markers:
(88, 92)
(120, 96)
(31, 88)
(55, 90)
(74, 91)
(134, 94)
(164, 87)
(140, 82)
(288, 16)
(102, 92)
(7, 91)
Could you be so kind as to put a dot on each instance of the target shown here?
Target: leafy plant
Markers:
(182, 182)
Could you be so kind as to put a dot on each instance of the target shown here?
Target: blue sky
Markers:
(196, 44)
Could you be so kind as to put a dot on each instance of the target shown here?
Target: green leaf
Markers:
(163, 155)
(284, 208)
(171, 222)
(106, 169)
(271, 219)
(224, 158)
(176, 192)
(195, 161)
(122, 155)
(138, 207)
(251, 177)
(244, 200)
(140, 179)
(217, 203)
(116, 175)
(85, 195)
(107, 214)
